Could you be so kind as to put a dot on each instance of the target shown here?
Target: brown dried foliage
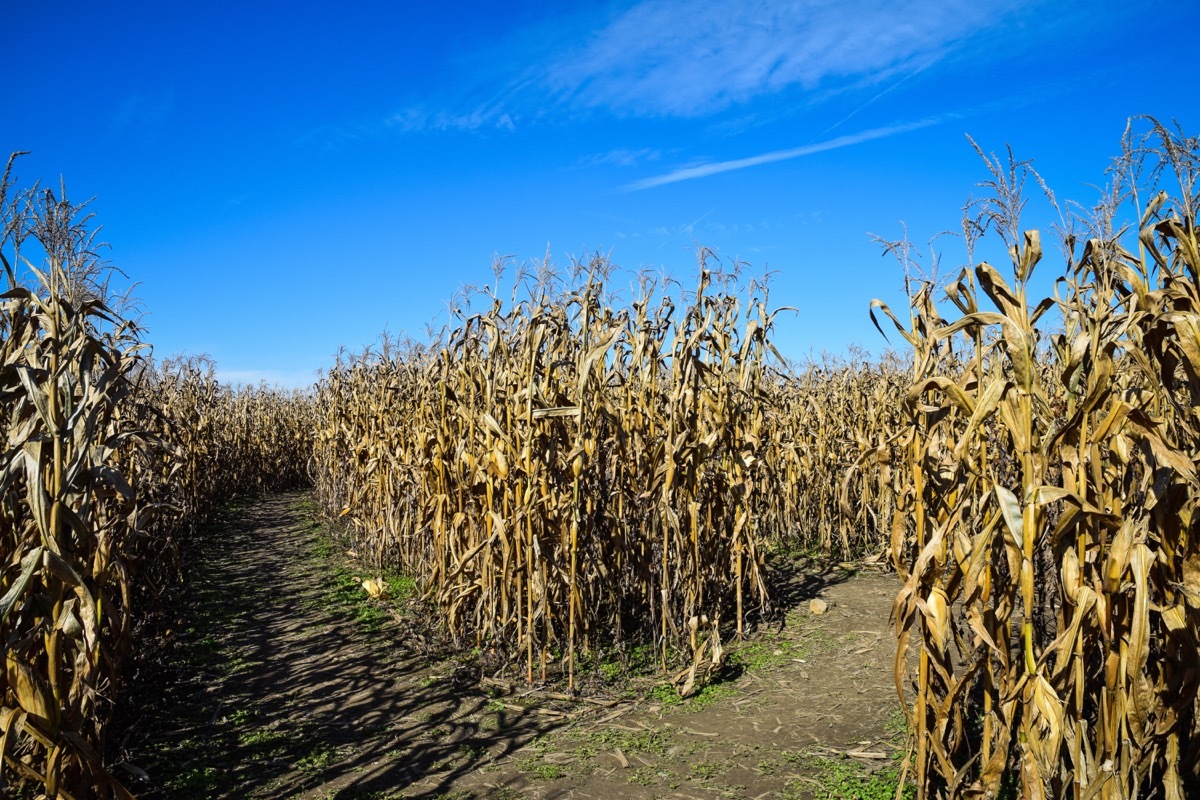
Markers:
(1046, 530)
(562, 474)
(105, 462)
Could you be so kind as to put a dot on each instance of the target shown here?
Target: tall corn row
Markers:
(229, 442)
(827, 452)
(562, 473)
(366, 429)
(1046, 533)
(65, 525)
(94, 486)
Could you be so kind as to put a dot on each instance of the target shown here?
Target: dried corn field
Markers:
(1046, 532)
(578, 468)
(108, 460)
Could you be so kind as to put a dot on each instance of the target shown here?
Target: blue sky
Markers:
(286, 179)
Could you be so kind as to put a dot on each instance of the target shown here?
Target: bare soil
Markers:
(278, 678)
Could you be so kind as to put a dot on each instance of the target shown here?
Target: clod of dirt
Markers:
(818, 606)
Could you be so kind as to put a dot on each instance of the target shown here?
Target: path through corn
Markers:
(275, 683)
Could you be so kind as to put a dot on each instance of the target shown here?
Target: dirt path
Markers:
(281, 680)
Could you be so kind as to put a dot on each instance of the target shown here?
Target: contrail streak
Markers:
(704, 170)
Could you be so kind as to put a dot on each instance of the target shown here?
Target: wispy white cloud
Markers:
(622, 157)
(693, 57)
(420, 118)
(716, 167)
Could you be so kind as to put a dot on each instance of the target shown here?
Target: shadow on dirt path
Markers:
(274, 689)
(271, 685)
